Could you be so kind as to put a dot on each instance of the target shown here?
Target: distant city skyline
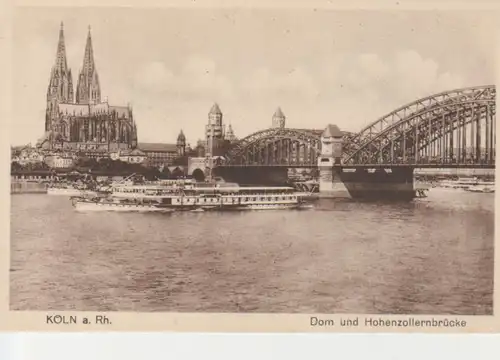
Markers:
(346, 68)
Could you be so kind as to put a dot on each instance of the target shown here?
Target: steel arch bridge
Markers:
(454, 128)
(277, 147)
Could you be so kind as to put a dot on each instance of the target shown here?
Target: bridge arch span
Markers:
(457, 127)
(277, 146)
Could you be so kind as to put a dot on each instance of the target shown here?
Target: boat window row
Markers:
(143, 191)
(240, 192)
(269, 198)
(243, 199)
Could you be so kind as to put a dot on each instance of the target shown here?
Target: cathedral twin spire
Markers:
(61, 62)
(61, 82)
(88, 89)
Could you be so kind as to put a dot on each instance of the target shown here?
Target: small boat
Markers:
(481, 189)
(465, 183)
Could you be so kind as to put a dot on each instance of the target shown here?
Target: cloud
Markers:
(371, 65)
(294, 84)
(154, 75)
(349, 89)
(367, 82)
(352, 90)
(364, 87)
(199, 67)
(197, 78)
(166, 99)
(404, 74)
(421, 76)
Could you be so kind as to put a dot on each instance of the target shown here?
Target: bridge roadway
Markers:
(367, 166)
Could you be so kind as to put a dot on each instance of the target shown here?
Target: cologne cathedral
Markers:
(82, 121)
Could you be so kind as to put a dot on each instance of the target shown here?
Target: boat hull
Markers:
(482, 191)
(268, 207)
(85, 206)
(89, 206)
(247, 207)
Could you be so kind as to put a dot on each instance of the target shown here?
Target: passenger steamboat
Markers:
(198, 197)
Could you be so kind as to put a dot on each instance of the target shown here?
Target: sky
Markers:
(321, 67)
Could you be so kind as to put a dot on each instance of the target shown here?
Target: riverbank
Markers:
(27, 187)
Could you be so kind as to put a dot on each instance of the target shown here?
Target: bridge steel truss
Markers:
(277, 147)
(454, 128)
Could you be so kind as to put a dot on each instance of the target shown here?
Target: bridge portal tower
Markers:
(330, 183)
(214, 137)
(214, 133)
(278, 119)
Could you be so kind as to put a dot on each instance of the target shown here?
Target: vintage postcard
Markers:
(254, 167)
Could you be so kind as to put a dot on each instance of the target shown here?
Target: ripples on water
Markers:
(432, 256)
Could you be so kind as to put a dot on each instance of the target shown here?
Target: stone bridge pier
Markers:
(330, 182)
(359, 182)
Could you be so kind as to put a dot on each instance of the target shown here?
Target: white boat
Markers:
(456, 184)
(465, 183)
(481, 189)
(69, 191)
(203, 198)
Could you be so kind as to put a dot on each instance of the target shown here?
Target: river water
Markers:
(431, 256)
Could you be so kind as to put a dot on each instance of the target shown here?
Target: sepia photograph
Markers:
(253, 160)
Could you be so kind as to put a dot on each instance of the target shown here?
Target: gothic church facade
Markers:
(83, 121)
